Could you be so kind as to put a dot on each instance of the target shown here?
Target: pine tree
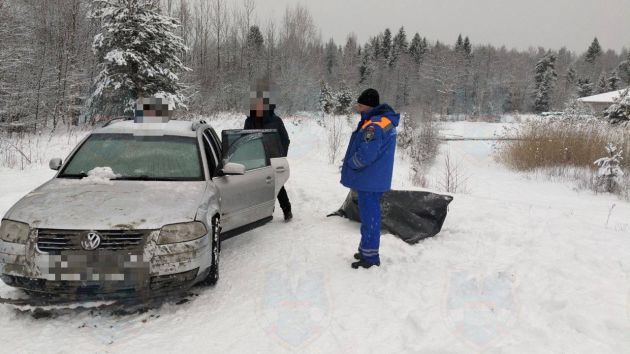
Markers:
(613, 81)
(459, 44)
(610, 170)
(366, 68)
(602, 84)
(570, 76)
(400, 45)
(138, 52)
(331, 56)
(255, 39)
(386, 44)
(584, 87)
(619, 111)
(467, 46)
(624, 70)
(593, 52)
(415, 48)
(254, 50)
(545, 76)
(326, 100)
(344, 98)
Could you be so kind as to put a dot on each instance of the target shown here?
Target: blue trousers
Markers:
(370, 214)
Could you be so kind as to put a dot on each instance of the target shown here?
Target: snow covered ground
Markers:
(522, 265)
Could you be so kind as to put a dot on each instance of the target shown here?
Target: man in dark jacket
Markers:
(367, 169)
(262, 116)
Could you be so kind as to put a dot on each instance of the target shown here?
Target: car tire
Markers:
(213, 276)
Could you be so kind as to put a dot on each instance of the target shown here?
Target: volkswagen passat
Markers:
(141, 208)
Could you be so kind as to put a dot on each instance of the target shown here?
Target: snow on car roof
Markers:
(173, 127)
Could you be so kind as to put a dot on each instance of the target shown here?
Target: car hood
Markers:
(80, 205)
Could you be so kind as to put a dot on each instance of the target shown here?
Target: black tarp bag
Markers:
(410, 215)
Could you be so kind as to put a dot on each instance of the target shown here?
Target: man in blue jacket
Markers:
(367, 169)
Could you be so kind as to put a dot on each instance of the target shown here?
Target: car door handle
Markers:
(280, 169)
(269, 179)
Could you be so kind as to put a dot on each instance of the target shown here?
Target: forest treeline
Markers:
(48, 67)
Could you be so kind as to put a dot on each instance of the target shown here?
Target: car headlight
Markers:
(14, 232)
(175, 233)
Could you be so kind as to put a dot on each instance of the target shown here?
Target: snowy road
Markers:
(522, 265)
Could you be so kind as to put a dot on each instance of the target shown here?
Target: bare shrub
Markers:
(25, 150)
(453, 179)
(334, 125)
(545, 144)
(419, 137)
(565, 147)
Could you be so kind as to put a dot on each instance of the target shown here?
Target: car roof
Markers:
(173, 127)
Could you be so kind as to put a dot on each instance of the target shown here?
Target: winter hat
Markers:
(369, 97)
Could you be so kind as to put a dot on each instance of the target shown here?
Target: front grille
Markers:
(54, 241)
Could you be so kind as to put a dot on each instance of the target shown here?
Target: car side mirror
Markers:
(232, 168)
(55, 164)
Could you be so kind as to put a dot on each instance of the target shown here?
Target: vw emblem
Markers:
(91, 241)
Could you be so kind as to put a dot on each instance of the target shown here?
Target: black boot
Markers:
(288, 215)
(365, 264)
(357, 256)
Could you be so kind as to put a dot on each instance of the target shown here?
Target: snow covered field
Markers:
(522, 266)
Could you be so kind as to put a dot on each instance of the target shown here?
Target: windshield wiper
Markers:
(144, 178)
(74, 175)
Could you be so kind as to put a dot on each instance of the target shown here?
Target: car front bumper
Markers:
(150, 270)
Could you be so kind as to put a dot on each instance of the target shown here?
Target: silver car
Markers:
(141, 208)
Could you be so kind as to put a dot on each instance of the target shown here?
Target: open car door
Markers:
(249, 198)
(273, 148)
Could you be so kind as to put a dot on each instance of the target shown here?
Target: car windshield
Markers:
(166, 158)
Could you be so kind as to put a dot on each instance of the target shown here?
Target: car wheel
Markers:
(213, 276)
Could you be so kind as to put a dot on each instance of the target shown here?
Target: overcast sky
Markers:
(513, 23)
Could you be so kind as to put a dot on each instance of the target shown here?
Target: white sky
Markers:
(515, 23)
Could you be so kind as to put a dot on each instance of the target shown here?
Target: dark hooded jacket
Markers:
(269, 121)
(369, 162)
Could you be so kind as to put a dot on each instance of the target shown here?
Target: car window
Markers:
(249, 151)
(216, 144)
(210, 156)
(138, 157)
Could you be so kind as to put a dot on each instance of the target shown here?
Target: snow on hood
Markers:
(100, 175)
(75, 204)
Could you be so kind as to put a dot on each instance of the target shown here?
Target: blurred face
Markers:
(360, 108)
(258, 105)
(260, 98)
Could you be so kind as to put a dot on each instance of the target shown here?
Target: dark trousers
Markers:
(370, 213)
(283, 198)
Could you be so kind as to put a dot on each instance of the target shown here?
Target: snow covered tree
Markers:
(545, 76)
(584, 87)
(386, 43)
(610, 171)
(366, 68)
(400, 46)
(138, 52)
(330, 54)
(619, 111)
(624, 70)
(326, 100)
(344, 98)
(417, 48)
(602, 84)
(467, 46)
(593, 52)
(613, 81)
